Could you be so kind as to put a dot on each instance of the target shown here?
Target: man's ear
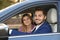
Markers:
(45, 17)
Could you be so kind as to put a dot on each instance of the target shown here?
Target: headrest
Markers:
(52, 15)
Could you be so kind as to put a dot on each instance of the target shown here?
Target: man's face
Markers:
(39, 17)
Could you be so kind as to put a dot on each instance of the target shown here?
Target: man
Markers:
(42, 26)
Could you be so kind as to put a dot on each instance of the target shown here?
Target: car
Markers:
(13, 13)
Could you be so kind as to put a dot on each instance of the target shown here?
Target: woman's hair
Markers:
(24, 26)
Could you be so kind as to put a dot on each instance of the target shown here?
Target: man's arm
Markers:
(15, 33)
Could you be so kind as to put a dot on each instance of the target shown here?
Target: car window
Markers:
(15, 21)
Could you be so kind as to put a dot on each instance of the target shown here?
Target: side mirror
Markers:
(3, 29)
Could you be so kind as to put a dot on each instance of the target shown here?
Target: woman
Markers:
(27, 23)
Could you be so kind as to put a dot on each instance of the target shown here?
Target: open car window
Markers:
(15, 21)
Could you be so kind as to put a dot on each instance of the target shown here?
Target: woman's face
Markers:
(26, 21)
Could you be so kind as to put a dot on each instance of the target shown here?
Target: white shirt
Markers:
(38, 26)
(10, 31)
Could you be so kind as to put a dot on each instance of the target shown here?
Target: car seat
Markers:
(52, 18)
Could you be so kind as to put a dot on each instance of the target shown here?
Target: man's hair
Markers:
(41, 9)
